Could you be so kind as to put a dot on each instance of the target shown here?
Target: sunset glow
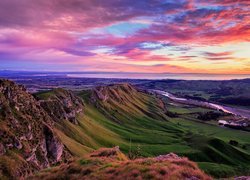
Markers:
(176, 36)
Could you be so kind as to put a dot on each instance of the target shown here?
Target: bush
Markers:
(244, 147)
(233, 142)
(136, 153)
(171, 114)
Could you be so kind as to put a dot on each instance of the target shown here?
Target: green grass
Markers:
(88, 135)
(72, 145)
(217, 170)
(181, 109)
(209, 130)
(44, 94)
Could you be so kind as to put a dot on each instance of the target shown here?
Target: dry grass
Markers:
(113, 164)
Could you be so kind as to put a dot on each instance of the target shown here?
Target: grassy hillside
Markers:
(137, 122)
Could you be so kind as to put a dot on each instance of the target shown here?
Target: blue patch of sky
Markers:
(103, 49)
(125, 28)
(150, 45)
(154, 45)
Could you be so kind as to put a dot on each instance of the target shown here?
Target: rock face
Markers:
(61, 105)
(111, 163)
(28, 142)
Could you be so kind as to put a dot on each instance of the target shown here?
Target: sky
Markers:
(149, 36)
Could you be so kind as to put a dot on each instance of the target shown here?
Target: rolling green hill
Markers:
(137, 122)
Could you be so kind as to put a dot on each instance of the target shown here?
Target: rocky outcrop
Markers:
(53, 146)
(61, 104)
(28, 142)
(168, 156)
(2, 149)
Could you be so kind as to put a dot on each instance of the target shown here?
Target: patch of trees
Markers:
(171, 114)
(224, 91)
(241, 101)
(195, 98)
(236, 143)
(208, 116)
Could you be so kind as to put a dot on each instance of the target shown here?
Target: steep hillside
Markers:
(105, 109)
(125, 102)
(113, 164)
(78, 132)
(28, 142)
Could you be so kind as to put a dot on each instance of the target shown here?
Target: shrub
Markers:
(136, 153)
(233, 142)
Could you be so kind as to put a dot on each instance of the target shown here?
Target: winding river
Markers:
(232, 110)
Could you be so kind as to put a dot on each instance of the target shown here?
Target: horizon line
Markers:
(114, 72)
